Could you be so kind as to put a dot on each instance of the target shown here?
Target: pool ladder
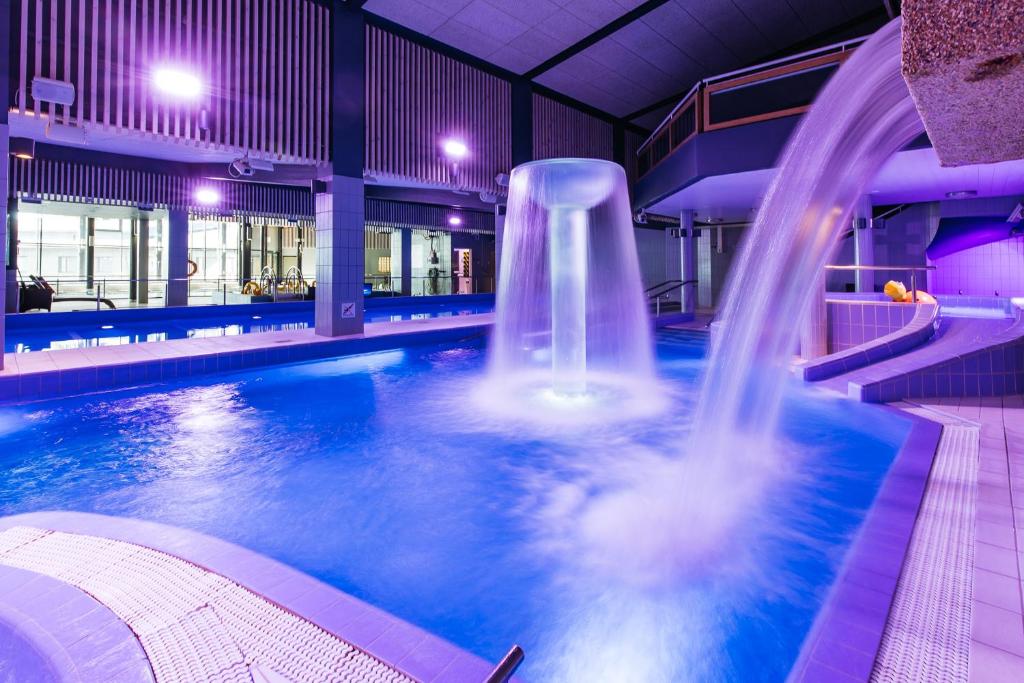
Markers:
(507, 666)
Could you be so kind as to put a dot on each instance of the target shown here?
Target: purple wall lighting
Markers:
(207, 196)
(454, 221)
(454, 149)
(177, 82)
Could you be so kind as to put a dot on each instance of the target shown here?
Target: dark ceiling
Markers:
(632, 58)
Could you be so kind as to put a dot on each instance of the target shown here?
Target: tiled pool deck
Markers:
(40, 374)
(997, 604)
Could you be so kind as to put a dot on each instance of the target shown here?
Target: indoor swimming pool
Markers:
(603, 550)
(109, 329)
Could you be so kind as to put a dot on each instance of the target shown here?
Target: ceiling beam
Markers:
(600, 34)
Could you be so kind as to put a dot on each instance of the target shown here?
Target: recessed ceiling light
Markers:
(961, 194)
(106, 327)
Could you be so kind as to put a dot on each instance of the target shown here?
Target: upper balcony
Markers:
(733, 122)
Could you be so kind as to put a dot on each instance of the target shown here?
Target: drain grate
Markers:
(927, 637)
(194, 625)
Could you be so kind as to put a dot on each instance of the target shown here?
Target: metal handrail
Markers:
(670, 286)
(828, 49)
(891, 269)
(507, 666)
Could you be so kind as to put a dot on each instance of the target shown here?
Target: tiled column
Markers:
(5, 74)
(814, 334)
(673, 259)
(406, 253)
(177, 257)
(688, 260)
(4, 152)
(863, 245)
(339, 256)
(142, 261)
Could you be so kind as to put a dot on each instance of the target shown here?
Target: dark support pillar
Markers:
(522, 121)
(522, 152)
(339, 194)
(619, 144)
(90, 251)
(142, 261)
(177, 257)
(12, 251)
(133, 261)
(406, 262)
(5, 141)
(245, 253)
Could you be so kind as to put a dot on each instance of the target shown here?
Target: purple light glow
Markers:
(454, 220)
(456, 150)
(207, 196)
(177, 82)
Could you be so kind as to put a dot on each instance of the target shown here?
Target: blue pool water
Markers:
(600, 550)
(113, 333)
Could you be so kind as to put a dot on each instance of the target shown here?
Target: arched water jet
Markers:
(861, 118)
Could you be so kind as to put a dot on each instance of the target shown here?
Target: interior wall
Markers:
(650, 248)
(995, 269)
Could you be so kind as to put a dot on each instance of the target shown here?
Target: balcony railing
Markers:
(783, 87)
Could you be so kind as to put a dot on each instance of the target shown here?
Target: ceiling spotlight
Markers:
(455, 150)
(177, 83)
(961, 194)
(207, 196)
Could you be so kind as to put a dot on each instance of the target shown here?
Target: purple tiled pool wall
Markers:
(992, 366)
(852, 323)
(918, 330)
(47, 374)
(842, 645)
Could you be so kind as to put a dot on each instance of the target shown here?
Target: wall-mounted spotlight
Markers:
(207, 196)
(453, 151)
(454, 221)
(70, 135)
(177, 82)
(50, 90)
(23, 148)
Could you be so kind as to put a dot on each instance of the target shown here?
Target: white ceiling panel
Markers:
(651, 59)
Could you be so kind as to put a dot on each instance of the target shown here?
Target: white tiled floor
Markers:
(997, 623)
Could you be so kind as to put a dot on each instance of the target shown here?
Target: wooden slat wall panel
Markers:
(415, 97)
(262, 62)
(563, 131)
(74, 182)
(386, 213)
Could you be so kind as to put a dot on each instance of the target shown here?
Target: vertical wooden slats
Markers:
(264, 63)
(415, 97)
(563, 131)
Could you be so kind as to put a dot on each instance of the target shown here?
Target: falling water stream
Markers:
(862, 117)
